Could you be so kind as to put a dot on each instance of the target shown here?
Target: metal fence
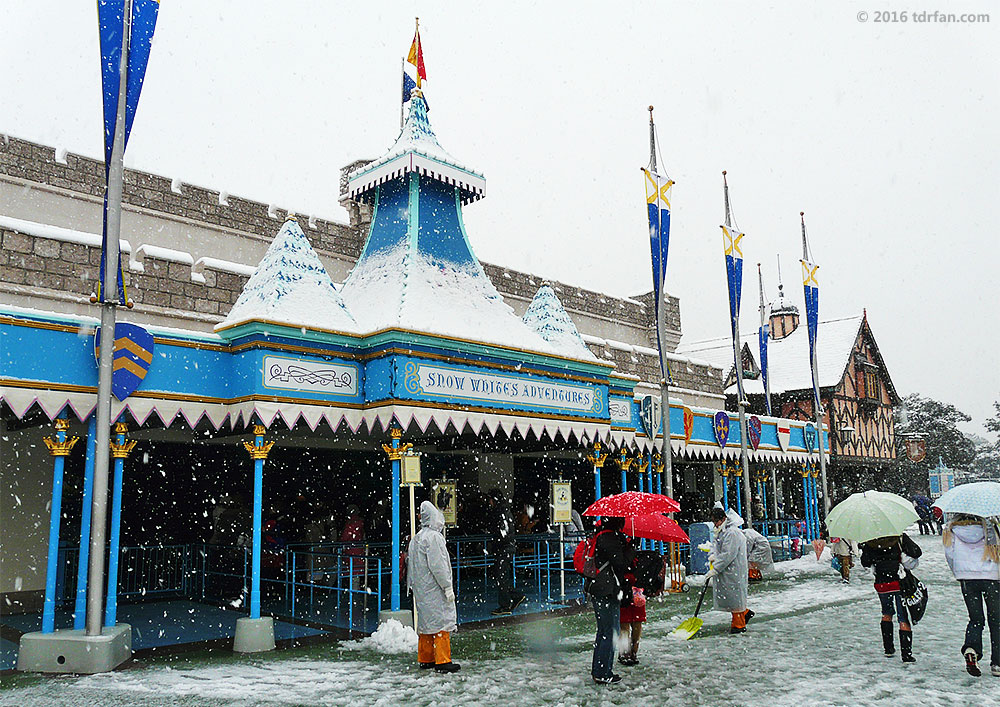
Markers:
(346, 584)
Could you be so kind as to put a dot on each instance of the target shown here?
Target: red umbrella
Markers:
(632, 503)
(656, 527)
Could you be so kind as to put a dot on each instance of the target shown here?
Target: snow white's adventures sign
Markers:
(455, 384)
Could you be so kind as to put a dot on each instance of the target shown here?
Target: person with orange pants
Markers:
(428, 577)
(730, 570)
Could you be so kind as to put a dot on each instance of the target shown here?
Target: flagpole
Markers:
(817, 402)
(661, 325)
(109, 295)
(766, 373)
(741, 403)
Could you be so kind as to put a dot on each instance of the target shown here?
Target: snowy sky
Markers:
(885, 134)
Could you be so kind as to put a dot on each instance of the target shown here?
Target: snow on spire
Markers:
(291, 287)
(416, 150)
(547, 316)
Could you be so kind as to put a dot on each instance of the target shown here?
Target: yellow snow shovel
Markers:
(689, 627)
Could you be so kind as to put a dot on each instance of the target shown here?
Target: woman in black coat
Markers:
(613, 556)
(884, 556)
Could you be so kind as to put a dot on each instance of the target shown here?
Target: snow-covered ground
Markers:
(814, 642)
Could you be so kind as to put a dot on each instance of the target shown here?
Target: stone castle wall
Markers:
(41, 265)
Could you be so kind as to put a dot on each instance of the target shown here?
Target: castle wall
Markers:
(190, 250)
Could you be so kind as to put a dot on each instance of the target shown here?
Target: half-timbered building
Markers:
(856, 390)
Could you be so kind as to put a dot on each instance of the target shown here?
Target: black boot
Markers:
(887, 644)
(906, 646)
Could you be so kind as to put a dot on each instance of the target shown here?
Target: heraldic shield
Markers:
(753, 431)
(133, 355)
(650, 413)
(810, 436)
(721, 427)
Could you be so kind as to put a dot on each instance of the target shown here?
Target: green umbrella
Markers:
(869, 515)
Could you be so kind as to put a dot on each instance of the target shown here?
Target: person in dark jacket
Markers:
(884, 556)
(502, 547)
(613, 556)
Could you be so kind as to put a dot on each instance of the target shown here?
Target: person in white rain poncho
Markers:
(759, 555)
(729, 571)
(428, 577)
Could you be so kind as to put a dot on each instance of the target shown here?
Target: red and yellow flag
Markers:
(416, 57)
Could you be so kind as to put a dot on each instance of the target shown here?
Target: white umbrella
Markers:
(870, 514)
(980, 498)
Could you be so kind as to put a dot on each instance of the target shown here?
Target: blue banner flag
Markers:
(408, 86)
(762, 335)
(811, 286)
(734, 274)
(658, 208)
(111, 25)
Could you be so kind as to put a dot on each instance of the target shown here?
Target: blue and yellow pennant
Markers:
(111, 24)
(731, 238)
(658, 208)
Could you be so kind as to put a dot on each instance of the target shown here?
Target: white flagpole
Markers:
(817, 402)
(661, 327)
(741, 403)
(109, 297)
(763, 321)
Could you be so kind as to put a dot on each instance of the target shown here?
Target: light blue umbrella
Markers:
(980, 498)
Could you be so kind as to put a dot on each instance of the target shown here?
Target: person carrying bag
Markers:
(612, 557)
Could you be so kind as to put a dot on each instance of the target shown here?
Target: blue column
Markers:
(725, 491)
(258, 502)
(59, 449)
(80, 611)
(625, 480)
(394, 591)
(597, 459)
(812, 508)
(119, 450)
(258, 450)
(739, 493)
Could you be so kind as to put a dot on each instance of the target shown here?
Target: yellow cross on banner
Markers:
(731, 241)
(809, 274)
(657, 192)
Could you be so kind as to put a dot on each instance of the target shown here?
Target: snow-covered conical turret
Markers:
(547, 316)
(291, 287)
(417, 271)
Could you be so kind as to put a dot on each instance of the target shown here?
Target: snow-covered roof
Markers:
(417, 150)
(547, 316)
(788, 357)
(291, 286)
(402, 288)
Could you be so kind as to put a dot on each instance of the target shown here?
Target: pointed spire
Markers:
(781, 305)
(547, 316)
(291, 287)
(416, 150)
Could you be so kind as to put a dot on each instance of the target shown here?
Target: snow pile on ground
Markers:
(291, 286)
(390, 637)
(547, 316)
